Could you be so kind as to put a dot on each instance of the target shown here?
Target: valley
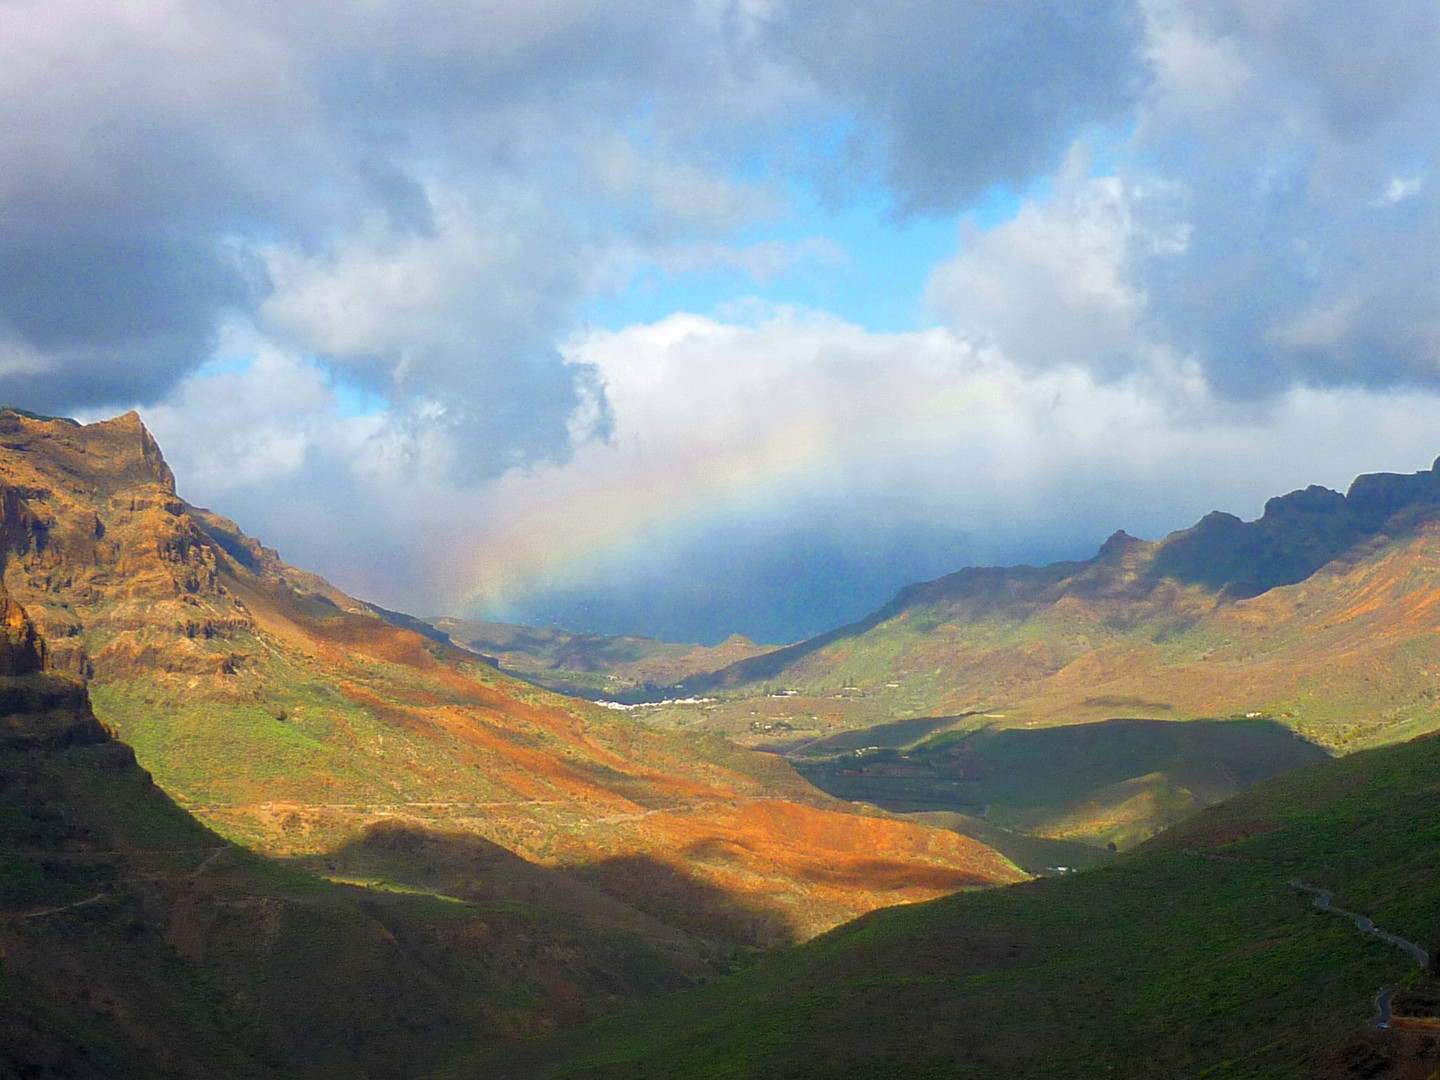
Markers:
(221, 772)
(559, 860)
(620, 669)
(1318, 619)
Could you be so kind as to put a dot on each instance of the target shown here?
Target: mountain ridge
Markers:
(1296, 535)
(1204, 623)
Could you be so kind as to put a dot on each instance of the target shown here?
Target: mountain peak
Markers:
(1119, 542)
(109, 454)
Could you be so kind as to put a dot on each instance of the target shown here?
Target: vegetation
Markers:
(1192, 957)
(1115, 782)
(137, 943)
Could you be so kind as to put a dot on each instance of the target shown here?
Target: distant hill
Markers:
(292, 718)
(1197, 956)
(594, 666)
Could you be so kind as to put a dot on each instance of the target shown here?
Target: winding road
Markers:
(1324, 900)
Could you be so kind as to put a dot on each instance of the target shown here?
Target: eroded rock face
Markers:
(99, 547)
(38, 708)
(21, 650)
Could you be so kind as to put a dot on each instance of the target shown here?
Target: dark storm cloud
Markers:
(165, 168)
(1355, 67)
(112, 317)
(153, 161)
(963, 95)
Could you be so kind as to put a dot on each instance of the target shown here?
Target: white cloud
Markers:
(739, 447)
(1399, 189)
(803, 416)
(248, 427)
(1060, 283)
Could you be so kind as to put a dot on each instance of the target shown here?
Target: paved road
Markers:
(1382, 1008)
(1324, 900)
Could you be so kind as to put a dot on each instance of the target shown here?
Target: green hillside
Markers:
(1193, 957)
(1112, 782)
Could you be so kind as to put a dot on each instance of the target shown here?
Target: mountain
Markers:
(291, 718)
(593, 665)
(1294, 615)
(1203, 954)
(1319, 618)
(135, 942)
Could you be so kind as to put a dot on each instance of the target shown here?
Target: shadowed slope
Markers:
(1115, 781)
(135, 942)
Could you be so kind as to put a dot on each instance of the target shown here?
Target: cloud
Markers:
(958, 96)
(795, 455)
(1196, 240)
(1062, 281)
(776, 472)
(1299, 135)
(414, 193)
(458, 320)
(1266, 220)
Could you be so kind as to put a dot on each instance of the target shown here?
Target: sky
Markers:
(699, 317)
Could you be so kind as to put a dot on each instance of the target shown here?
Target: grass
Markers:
(1165, 964)
(1112, 782)
(256, 967)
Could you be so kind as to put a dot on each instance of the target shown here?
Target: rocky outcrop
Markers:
(21, 650)
(38, 708)
(98, 547)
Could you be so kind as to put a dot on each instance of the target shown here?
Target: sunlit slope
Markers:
(1193, 957)
(291, 717)
(135, 942)
(1323, 614)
